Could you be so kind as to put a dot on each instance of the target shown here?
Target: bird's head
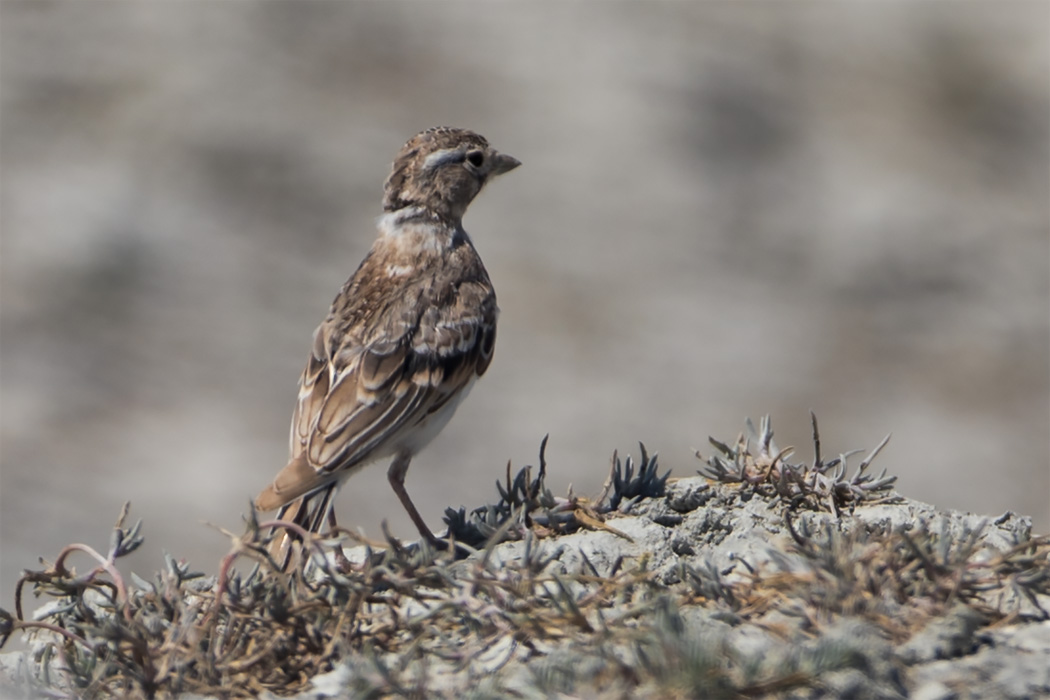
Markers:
(441, 170)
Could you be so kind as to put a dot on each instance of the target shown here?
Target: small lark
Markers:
(405, 339)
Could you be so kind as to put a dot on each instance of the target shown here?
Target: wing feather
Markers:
(313, 391)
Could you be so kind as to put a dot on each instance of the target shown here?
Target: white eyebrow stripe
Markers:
(439, 158)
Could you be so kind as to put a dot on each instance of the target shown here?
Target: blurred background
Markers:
(725, 210)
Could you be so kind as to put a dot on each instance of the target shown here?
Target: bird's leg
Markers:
(396, 475)
(341, 562)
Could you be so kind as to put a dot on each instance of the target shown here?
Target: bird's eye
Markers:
(476, 158)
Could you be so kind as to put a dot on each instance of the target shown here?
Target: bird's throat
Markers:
(412, 231)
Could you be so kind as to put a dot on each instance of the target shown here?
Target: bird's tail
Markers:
(310, 512)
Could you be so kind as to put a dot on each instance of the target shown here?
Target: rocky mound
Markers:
(759, 578)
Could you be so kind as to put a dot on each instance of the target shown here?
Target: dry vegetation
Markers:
(413, 622)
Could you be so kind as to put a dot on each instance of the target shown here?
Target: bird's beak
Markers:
(503, 163)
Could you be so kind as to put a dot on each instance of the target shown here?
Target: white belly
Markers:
(417, 439)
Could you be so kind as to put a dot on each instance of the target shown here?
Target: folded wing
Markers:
(359, 396)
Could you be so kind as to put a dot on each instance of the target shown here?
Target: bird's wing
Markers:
(368, 384)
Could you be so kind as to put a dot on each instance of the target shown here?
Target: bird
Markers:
(404, 341)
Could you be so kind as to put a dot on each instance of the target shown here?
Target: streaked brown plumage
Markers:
(405, 338)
